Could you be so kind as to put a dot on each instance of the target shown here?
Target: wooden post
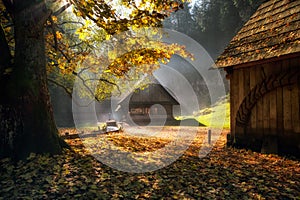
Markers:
(209, 136)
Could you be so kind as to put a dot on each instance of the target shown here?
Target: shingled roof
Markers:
(273, 31)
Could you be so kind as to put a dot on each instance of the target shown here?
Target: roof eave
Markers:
(260, 62)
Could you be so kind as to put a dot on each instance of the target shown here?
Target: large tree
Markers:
(27, 123)
(26, 117)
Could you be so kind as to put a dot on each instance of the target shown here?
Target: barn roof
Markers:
(154, 93)
(273, 31)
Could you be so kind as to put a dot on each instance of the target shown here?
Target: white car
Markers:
(112, 126)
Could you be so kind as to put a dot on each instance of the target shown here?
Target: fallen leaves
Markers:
(226, 173)
(137, 144)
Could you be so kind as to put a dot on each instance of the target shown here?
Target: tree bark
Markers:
(26, 117)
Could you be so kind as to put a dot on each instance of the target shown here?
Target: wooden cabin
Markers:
(263, 65)
(154, 101)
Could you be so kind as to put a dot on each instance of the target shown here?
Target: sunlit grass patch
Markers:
(217, 116)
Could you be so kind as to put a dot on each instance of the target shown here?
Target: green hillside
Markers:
(217, 116)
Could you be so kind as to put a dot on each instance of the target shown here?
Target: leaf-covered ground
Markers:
(225, 173)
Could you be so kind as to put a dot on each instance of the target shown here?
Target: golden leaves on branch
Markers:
(118, 18)
(84, 32)
(99, 20)
(149, 58)
(63, 55)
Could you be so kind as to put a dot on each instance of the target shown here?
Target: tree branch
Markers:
(106, 81)
(61, 51)
(53, 33)
(69, 93)
(95, 79)
(70, 22)
(62, 9)
(87, 87)
(79, 7)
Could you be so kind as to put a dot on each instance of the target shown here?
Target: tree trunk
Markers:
(26, 117)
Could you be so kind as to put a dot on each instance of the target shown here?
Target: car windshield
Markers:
(111, 123)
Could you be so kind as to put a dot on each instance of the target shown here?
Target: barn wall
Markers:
(274, 117)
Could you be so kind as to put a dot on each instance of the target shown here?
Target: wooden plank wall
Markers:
(296, 100)
(234, 99)
(278, 112)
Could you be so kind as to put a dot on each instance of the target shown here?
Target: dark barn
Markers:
(263, 65)
(153, 102)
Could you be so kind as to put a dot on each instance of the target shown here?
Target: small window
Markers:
(136, 111)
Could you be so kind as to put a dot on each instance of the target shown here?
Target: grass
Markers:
(217, 116)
